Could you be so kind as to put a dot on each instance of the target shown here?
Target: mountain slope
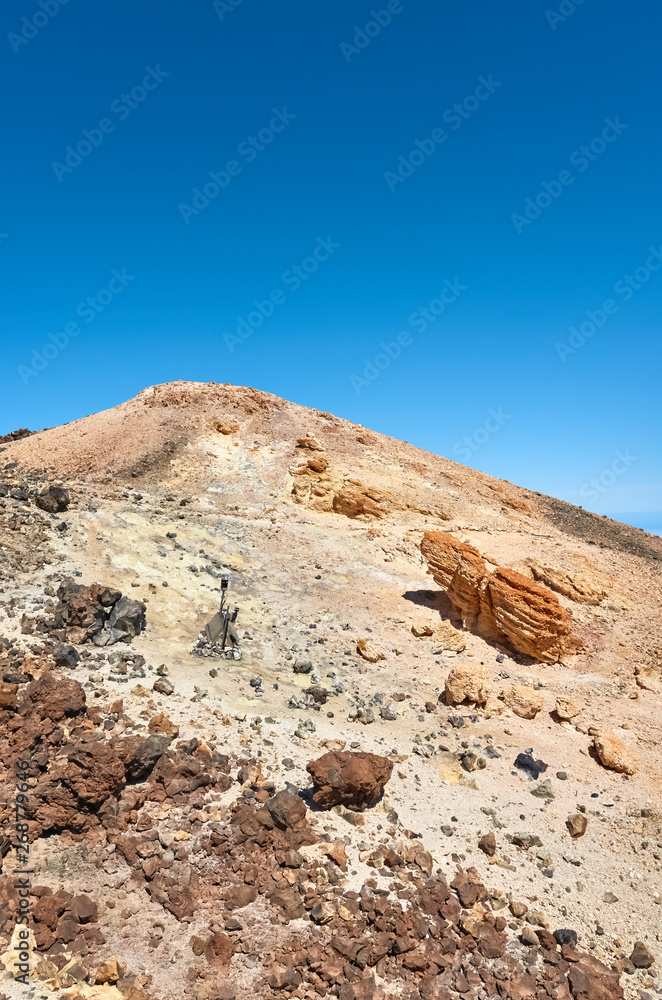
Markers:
(346, 641)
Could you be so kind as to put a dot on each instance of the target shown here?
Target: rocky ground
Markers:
(510, 702)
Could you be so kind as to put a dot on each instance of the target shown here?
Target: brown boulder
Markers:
(469, 888)
(491, 943)
(583, 586)
(8, 695)
(641, 957)
(288, 900)
(487, 843)
(220, 949)
(176, 890)
(139, 755)
(566, 708)
(355, 780)
(310, 442)
(240, 895)
(110, 971)
(530, 616)
(81, 606)
(47, 909)
(87, 777)
(446, 637)
(163, 725)
(83, 908)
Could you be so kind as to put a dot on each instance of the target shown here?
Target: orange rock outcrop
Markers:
(503, 605)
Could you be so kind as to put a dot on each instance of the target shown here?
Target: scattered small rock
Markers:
(641, 957)
(534, 768)
(467, 682)
(369, 651)
(163, 686)
(543, 790)
(613, 753)
(576, 825)
(566, 708)
(521, 700)
(487, 843)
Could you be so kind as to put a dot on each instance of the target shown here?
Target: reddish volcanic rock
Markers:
(354, 780)
(54, 697)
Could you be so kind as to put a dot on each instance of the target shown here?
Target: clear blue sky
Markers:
(367, 174)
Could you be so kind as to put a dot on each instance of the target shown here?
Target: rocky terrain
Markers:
(434, 771)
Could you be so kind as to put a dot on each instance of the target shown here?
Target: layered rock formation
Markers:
(583, 586)
(503, 605)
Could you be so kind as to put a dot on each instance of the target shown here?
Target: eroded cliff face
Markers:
(503, 605)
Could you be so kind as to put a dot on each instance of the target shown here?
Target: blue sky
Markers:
(438, 220)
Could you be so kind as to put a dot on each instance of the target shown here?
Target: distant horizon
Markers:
(649, 521)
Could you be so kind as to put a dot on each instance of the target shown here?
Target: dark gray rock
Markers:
(53, 500)
(566, 936)
(128, 616)
(534, 768)
(66, 656)
(303, 666)
(109, 636)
